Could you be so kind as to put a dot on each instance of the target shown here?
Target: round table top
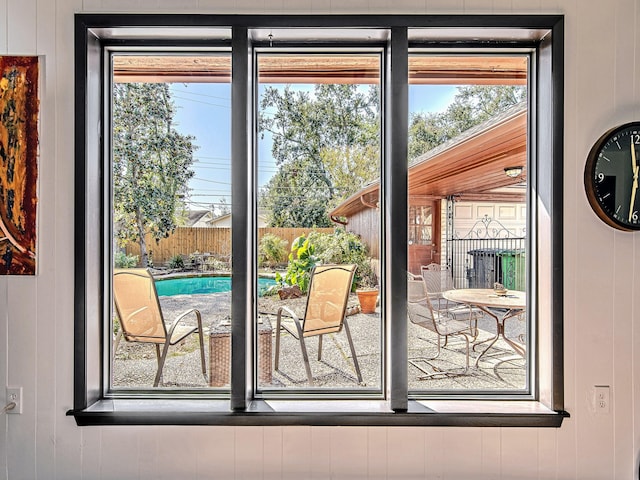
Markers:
(486, 297)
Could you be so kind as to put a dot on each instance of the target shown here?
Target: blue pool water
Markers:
(193, 285)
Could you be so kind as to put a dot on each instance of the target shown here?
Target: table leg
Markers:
(491, 340)
(520, 350)
(499, 331)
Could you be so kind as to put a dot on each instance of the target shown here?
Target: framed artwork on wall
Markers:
(18, 164)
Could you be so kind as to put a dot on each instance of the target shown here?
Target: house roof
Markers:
(220, 218)
(193, 216)
(226, 216)
(470, 166)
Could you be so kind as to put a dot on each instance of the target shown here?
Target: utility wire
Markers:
(174, 90)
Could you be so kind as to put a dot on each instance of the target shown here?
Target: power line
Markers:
(173, 88)
(211, 181)
(200, 101)
(226, 161)
(207, 195)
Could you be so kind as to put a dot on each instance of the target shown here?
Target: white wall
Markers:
(602, 342)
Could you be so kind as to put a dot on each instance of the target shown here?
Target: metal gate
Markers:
(488, 253)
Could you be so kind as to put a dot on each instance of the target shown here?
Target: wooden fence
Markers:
(217, 241)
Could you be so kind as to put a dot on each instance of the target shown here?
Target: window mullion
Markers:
(241, 220)
(394, 199)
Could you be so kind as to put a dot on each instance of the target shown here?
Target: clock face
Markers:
(611, 177)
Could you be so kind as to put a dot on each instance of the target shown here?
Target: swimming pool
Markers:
(207, 284)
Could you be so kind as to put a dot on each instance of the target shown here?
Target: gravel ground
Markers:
(135, 364)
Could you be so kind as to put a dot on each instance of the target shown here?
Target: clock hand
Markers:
(635, 179)
(634, 188)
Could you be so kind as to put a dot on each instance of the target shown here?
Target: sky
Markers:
(204, 111)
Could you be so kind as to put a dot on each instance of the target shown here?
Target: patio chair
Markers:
(141, 318)
(325, 312)
(438, 279)
(441, 321)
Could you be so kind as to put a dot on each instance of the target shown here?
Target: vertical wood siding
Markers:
(366, 224)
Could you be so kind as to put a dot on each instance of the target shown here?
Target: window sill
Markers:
(326, 413)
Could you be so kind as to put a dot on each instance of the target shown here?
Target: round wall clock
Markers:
(611, 177)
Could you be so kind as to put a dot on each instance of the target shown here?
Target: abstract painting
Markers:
(18, 164)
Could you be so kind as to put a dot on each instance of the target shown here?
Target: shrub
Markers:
(216, 264)
(122, 260)
(176, 261)
(340, 247)
(302, 259)
(344, 247)
(272, 250)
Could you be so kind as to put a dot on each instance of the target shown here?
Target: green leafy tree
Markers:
(351, 168)
(471, 106)
(293, 198)
(151, 164)
(324, 144)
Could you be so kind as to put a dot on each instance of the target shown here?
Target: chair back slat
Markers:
(327, 299)
(419, 306)
(437, 278)
(137, 305)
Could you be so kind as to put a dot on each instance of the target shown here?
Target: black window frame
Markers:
(542, 33)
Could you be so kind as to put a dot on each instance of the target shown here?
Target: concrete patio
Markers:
(500, 369)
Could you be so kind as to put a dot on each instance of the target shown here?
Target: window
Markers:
(420, 224)
(467, 132)
(324, 137)
(171, 202)
(310, 146)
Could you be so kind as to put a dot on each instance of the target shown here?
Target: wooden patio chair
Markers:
(141, 318)
(325, 313)
(440, 321)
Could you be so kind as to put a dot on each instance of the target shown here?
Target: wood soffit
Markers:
(322, 68)
(472, 169)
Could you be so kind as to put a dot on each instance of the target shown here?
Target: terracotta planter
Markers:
(368, 300)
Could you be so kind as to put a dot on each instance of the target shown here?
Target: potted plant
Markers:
(367, 287)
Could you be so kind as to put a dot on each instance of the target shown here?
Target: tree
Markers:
(151, 163)
(324, 144)
(471, 106)
(222, 207)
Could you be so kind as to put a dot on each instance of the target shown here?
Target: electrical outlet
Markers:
(602, 399)
(14, 394)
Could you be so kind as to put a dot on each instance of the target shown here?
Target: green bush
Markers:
(177, 261)
(342, 247)
(302, 259)
(216, 264)
(272, 250)
(122, 260)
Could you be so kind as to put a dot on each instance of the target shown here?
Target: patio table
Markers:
(501, 307)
